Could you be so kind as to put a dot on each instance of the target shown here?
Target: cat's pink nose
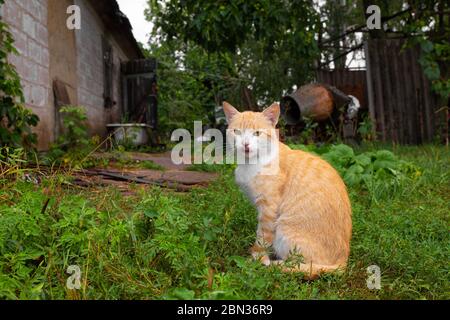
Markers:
(246, 147)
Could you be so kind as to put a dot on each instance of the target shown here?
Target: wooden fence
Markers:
(352, 82)
(400, 99)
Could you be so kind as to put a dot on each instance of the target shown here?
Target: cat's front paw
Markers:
(260, 254)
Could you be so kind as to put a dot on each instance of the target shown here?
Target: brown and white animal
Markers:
(302, 202)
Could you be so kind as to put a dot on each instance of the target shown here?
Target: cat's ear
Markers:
(272, 113)
(229, 111)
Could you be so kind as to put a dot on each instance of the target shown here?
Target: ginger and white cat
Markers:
(302, 202)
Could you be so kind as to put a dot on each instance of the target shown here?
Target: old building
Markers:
(59, 65)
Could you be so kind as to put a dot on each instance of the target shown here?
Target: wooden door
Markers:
(140, 91)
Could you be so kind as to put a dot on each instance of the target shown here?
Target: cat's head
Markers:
(252, 132)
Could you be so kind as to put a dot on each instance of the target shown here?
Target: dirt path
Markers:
(174, 176)
(163, 159)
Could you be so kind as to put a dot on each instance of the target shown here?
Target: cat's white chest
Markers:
(244, 176)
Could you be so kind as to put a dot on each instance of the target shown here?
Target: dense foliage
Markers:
(424, 23)
(15, 120)
(379, 172)
(73, 143)
(157, 244)
(186, 94)
(253, 53)
(431, 30)
(154, 243)
(249, 53)
(220, 27)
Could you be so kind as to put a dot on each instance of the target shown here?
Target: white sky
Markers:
(134, 10)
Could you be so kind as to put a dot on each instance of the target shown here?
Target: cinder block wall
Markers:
(90, 70)
(28, 24)
(90, 67)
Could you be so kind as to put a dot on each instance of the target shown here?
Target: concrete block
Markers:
(29, 25)
(39, 95)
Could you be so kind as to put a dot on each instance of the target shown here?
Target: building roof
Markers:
(118, 23)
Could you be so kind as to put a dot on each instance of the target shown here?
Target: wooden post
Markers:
(370, 88)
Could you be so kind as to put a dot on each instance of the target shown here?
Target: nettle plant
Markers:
(365, 167)
(73, 144)
(16, 121)
(379, 172)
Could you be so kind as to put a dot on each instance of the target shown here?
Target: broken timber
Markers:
(130, 178)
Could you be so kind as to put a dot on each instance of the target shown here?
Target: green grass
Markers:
(158, 244)
(205, 167)
(149, 164)
(124, 160)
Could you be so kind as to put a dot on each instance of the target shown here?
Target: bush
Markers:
(73, 145)
(380, 172)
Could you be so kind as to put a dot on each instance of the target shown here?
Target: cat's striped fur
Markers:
(303, 206)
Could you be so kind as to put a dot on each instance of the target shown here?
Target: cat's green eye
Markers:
(257, 133)
(237, 132)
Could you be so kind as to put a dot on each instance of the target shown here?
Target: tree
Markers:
(424, 23)
(429, 25)
(336, 18)
(188, 84)
(250, 53)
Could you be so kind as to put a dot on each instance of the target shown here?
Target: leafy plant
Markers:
(205, 167)
(74, 144)
(429, 26)
(159, 244)
(151, 165)
(16, 121)
(365, 129)
(307, 135)
(380, 172)
(241, 52)
(12, 163)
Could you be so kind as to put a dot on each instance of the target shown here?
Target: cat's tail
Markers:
(311, 270)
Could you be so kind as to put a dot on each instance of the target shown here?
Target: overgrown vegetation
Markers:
(75, 149)
(158, 244)
(240, 51)
(251, 54)
(205, 167)
(380, 172)
(16, 121)
(73, 145)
